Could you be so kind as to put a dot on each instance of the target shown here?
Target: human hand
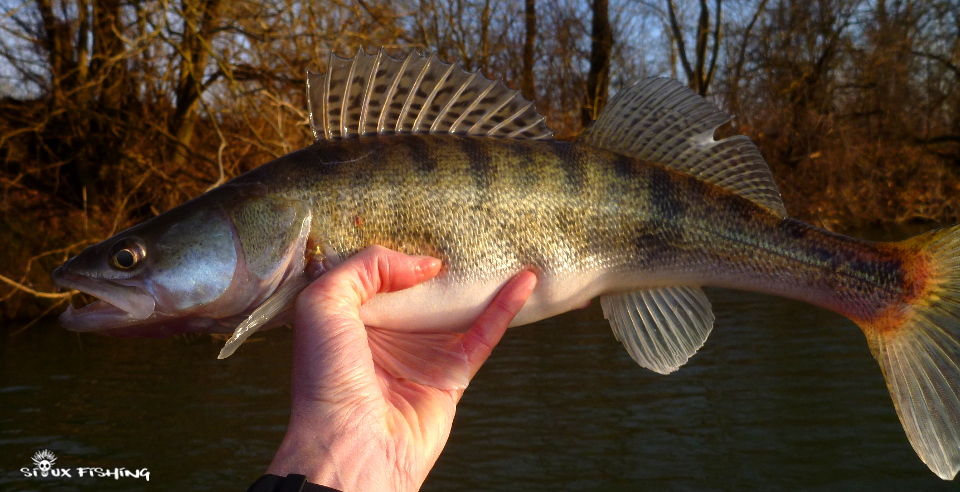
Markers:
(353, 425)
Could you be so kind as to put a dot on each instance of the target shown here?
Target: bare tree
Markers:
(699, 74)
(738, 58)
(527, 78)
(601, 45)
(200, 24)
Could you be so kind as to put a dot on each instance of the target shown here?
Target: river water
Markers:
(783, 396)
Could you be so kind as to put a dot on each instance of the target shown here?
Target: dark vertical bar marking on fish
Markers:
(329, 157)
(658, 245)
(526, 164)
(882, 272)
(572, 163)
(623, 166)
(418, 148)
(665, 197)
(793, 228)
(480, 164)
(361, 179)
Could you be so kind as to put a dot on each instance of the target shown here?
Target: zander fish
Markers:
(642, 210)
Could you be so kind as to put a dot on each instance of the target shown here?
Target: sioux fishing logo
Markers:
(43, 467)
(43, 461)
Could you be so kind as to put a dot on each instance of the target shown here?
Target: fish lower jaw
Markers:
(115, 301)
(103, 318)
(96, 316)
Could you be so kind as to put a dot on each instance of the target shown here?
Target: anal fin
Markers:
(661, 328)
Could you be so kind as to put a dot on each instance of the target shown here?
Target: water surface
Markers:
(783, 396)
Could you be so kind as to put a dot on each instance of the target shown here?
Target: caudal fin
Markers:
(918, 347)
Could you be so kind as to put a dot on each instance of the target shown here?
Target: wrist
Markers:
(343, 461)
(275, 483)
(315, 462)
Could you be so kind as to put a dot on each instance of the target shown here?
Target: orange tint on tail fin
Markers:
(918, 347)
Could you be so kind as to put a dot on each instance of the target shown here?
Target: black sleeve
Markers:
(289, 483)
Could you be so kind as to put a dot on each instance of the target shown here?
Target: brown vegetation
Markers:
(112, 111)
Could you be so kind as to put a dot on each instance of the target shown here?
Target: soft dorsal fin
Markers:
(663, 121)
(374, 94)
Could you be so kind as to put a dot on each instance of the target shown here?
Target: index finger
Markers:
(489, 328)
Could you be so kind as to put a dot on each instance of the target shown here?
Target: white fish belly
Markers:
(444, 305)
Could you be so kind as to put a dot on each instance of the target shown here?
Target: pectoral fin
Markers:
(281, 300)
(273, 233)
(661, 328)
(431, 359)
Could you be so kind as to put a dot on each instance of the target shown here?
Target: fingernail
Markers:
(427, 264)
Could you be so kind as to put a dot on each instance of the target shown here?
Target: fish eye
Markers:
(127, 255)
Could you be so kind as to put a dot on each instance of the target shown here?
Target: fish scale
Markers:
(642, 210)
(624, 215)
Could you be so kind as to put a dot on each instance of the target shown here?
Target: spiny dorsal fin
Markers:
(373, 94)
(663, 121)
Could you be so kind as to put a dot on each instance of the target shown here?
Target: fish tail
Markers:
(917, 343)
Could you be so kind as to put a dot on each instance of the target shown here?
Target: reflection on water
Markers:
(782, 397)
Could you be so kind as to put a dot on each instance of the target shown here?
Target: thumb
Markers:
(374, 270)
(331, 340)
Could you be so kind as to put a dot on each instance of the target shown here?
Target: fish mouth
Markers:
(117, 305)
